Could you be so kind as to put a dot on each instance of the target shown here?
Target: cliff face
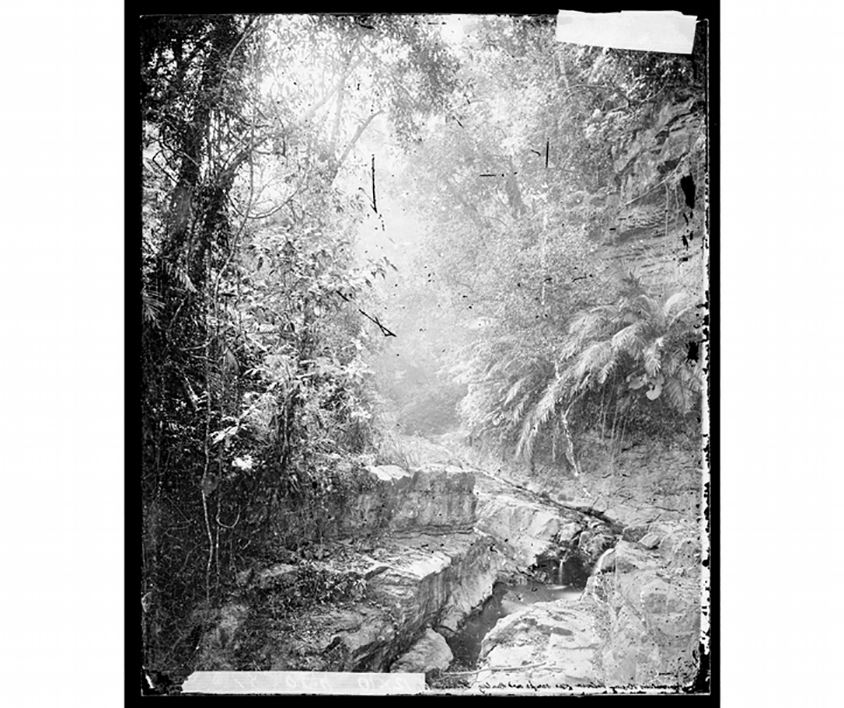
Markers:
(404, 557)
(434, 497)
(381, 499)
(657, 220)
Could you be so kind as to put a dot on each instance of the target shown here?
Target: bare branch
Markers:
(362, 127)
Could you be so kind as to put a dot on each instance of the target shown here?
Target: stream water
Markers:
(505, 599)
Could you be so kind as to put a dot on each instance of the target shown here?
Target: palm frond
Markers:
(592, 360)
(652, 355)
(628, 339)
(676, 306)
(520, 407)
(152, 306)
(584, 327)
(678, 394)
(538, 417)
(515, 388)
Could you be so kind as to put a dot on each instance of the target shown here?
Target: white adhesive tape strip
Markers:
(303, 682)
(670, 32)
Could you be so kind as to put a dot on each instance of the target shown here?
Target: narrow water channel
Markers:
(505, 599)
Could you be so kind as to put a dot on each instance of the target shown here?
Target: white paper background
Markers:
(61, 294)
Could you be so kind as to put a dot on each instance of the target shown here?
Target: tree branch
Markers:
(319, 104)
(386, 332)
(363, 126)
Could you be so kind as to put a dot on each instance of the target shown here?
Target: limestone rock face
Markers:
(532, 531)
(431, 652)
(430, 570)
(528, 529)
(655, 231)
(551, 645)
(431, 497)
(410, 584)
(637, 624)
(447, 544)
(627, 487)
(653, 603)
(383, 499)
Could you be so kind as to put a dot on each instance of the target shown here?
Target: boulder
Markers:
(527, 530)
(550, 645)
(429, 653)
(653, 611)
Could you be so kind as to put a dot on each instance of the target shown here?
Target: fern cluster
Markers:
(640, 346)
(646, 342)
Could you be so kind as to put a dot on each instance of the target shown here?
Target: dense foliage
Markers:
(521, 183)
(270, 373)
(254, 343)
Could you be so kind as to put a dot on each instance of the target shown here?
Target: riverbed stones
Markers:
(650, 540)
(637, 624)
(430, 653)
(550, 645)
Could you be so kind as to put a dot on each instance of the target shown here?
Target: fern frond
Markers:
(538, 417)
(524, 446)
(152, 307)
(547, 403)
(593, 359)
(673, 363)
(181, 276)
(514, 389)
(676, 306)
(652, 356)
(569, 348)
(678, 394)
(583, 327)
(520, 407)
(606, 370)
(628, 339)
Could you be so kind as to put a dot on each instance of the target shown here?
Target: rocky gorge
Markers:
(488, 576)
(487, 584)
(425, 370)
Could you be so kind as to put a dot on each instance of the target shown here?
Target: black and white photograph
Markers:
(406, 354)
(425, 312)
